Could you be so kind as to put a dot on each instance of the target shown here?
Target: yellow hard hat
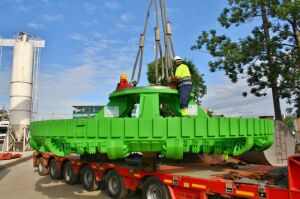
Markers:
(123, 76)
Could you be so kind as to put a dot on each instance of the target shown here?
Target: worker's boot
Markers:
(184, 112)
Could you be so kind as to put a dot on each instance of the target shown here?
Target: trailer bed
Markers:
(197, 180)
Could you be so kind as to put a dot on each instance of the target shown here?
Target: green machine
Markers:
(133, 121)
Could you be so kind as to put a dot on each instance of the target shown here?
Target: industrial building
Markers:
(86, 111)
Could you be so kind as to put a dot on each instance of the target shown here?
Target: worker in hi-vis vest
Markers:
(183, 76)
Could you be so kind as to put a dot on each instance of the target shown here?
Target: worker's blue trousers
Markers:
(184, 92)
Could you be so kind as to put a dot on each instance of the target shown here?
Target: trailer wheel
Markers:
(88, 179)
(153, 188)
(55, 172)
(42, 169)
(69, 175)
(115, 185)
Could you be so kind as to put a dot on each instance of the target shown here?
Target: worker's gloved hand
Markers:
(169, 80)
(172, 80)
(133, 83)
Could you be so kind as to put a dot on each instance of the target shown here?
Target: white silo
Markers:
(21, 85)
(25, 62)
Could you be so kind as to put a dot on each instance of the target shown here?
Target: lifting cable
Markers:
(167, 63)
(167, 40)
(141, 48)
(158, 47)
(163, 18)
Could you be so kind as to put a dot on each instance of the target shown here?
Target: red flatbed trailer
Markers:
(179, 181)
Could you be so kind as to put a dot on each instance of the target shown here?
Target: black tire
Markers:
(88, 179)
(54, 171)
(115, 185)
(102, 184)
(131, 193)
(69, 175)
(154, 188)
(42, 169)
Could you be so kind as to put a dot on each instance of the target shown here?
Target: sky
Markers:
(90, 43)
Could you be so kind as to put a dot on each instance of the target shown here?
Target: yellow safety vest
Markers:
(184, 76)
(182, 71)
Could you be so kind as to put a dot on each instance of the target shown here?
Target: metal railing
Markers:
(9, 141)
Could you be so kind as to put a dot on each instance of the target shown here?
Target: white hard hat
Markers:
(177, 58)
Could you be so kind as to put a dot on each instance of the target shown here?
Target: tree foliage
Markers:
(268, 57)
(198, 85)
(287, 12)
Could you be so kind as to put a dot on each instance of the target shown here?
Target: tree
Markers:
(260, 57)
(198, 84)
(287, 12)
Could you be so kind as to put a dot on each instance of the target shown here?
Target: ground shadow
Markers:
(58, 189)
(3, 173)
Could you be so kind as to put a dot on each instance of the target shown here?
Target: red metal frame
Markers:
(183, 187)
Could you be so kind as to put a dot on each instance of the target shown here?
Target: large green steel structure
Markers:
(132, 122)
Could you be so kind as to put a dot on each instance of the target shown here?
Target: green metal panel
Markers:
(52, 128)
(104, 128)
(61, 126)
(174, 127)
(70, 128)
(92, 128)
(145, 128)
(262, 127)
(250, 125)
(267, 127)
(243, 127)
(213, 127)
(134, 146)
(80, 128)
(145, 146)
(149, 105)
(234, 126)
(202, 127)
(224, 127)
(118, 133)
(257, 127)
(156, 146)
(131, 127)
(160, 128)
(188, 127)
(117, 128)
